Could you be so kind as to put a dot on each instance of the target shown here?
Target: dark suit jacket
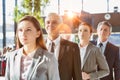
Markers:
(69, 61)
(112, 56)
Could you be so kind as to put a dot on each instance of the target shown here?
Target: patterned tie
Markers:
(52, 47)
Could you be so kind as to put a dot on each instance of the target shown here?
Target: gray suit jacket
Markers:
(93, 59)
(44, 66)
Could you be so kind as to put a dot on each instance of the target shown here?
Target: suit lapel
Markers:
(36, 60)
(86, 54)
(62, 49)
(107, 49)
(17, 64)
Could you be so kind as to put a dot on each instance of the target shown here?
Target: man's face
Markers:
(51, 25)
(103, 32)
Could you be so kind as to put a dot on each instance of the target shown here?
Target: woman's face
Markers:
(84, 32)
(27, 33)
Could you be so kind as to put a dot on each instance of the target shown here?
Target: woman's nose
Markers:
(23, 32)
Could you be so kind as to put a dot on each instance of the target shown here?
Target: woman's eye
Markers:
(28, 30)
(80, 30)
(20, 30)
(86, 30)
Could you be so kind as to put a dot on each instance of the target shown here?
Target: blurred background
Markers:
(72, 12)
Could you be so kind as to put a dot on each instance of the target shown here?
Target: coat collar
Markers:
(36, 59)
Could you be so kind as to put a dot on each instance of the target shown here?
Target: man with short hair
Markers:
(110, 51)
(66, 52)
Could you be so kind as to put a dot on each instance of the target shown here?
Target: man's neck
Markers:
(53, 37)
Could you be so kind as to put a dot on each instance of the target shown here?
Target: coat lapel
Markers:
(36, 60)
(62, 49)
(107, 49)
(17, 64)
(86, 54)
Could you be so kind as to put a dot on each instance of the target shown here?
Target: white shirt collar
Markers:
(30, 54)
(104, 43)
(56, 41)
(83, 47)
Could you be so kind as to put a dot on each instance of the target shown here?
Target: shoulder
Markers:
(49, 58)
(12, 53)
(112, 46)
(47, 55)
(114, 50)
(92, 46)
(93, 49)
(93, 42)
(69, 43)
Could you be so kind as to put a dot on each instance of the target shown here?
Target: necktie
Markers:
(52, 47)
(100, 45)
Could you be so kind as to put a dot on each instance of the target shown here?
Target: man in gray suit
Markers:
(66, 52)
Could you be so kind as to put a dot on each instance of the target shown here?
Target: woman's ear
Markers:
(38, 33)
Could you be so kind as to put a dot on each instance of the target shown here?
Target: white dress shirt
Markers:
(82, 54)
(103, 46)
(57, 46)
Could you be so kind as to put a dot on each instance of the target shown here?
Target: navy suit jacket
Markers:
(112, 56)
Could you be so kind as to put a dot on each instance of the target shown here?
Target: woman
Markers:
(31, 60)
(91, 57)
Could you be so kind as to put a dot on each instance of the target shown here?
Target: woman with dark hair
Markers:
(31, 60)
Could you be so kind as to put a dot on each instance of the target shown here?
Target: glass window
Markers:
(1, 21)
(10, 4)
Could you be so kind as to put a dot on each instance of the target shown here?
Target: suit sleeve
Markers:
(117, 65)
(102, 65)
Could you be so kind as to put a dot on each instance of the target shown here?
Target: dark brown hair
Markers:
(40, 40)
(86, 24)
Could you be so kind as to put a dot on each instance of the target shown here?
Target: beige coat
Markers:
(93, 59)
